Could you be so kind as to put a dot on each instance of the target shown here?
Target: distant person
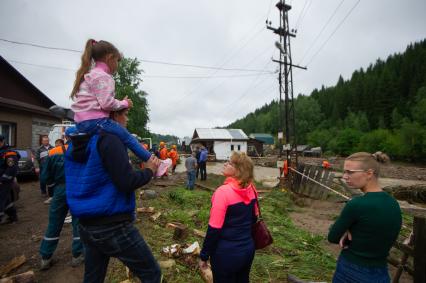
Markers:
(93, 95)
(101, 186)
(191, 167)
(368, 225)
(174, 156)
(197, 156)
(229, 243)
(8, 169)
(202, 163)
(53, 174)
(59, 142)
(41, 155)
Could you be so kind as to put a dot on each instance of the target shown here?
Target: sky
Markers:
(334, 37)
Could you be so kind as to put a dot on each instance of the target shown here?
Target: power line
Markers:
(142, 60)
(320, 33)
(151, 76)
(303, 16)
(334, 31)
(300, 15)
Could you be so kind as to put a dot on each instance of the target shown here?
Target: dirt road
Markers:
(24, 238)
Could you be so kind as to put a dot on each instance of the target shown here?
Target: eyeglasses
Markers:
(350, 172)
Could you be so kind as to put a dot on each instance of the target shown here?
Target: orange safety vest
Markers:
(163, 153)
(173, 155)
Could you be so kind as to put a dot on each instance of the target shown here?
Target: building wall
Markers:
(23, 124)
(223, 149)
(41, 126)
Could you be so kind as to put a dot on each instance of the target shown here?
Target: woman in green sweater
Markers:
(368, 225)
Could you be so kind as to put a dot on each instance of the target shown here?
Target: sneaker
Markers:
(45, 264)
(47, 201)
(76, 261)
(68, 219)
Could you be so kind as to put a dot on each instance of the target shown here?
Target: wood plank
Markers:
(413, 210)
(26, 277)
(13, 264)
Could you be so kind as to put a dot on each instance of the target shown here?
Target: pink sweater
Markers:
(95, 97)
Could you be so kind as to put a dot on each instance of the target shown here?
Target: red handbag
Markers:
(261, 235)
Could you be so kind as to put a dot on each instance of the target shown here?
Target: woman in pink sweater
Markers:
(94, 91)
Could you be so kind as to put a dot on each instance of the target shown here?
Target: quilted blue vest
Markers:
(89, 189)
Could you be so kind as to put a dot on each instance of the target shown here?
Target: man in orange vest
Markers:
(174, 156)
(163, 153)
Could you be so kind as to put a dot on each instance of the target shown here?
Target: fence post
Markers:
(419, 250)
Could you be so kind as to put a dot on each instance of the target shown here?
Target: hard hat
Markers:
(174, 146)
(161, 143)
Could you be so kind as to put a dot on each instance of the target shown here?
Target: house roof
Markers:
(218, 134)
(45, 99)
(266, 138)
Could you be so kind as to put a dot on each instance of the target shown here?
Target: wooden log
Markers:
(155, 216)
(404, 259)
(419, 231)
(199, 233)
(145, 209)
(13, 264)
(395, 262)
(180, 230)
(416, 211)
(26, 277)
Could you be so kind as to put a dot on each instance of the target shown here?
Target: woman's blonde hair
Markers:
(94, 50)
(370, 161)
(244, 167)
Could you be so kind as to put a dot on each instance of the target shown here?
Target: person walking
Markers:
(100, 185)
(368, 225)
(41, 155)
(54, 176)
(202, 163)
(229, 243)
(191, 167)
(174, 156)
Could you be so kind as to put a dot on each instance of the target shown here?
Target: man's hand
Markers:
(37, 171)
(129, 101)
(343, 243)
(152, 163)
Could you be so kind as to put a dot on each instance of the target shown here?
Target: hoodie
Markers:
(234, 210)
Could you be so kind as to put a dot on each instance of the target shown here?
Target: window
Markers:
(239, 147)
(232, 147)
(8, 130)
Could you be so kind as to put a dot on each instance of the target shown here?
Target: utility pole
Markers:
(286, 72)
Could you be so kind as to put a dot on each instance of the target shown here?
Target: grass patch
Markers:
(294, 251)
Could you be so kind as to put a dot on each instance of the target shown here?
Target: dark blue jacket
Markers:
(99, 179)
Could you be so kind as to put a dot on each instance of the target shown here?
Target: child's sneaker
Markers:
(76, 261)
(45, 264)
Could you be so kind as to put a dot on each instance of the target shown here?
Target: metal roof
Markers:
(219, 134)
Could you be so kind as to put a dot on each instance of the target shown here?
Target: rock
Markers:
(149, 194)
(167, 263)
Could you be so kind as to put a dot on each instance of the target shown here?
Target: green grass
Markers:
(294, 251)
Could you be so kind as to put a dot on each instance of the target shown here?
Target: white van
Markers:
(58, 131)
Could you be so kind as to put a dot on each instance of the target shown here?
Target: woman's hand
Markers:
(203, 264)
(343, 240)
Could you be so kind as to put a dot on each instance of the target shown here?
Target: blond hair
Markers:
(370, 161)
(244, 167)
(94, 50)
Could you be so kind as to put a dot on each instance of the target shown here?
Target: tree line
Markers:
(381, 108)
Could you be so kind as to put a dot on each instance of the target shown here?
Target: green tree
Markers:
(374, 141)
(419, 109)
(127, 84)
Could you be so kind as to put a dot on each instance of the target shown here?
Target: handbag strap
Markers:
(257, 201)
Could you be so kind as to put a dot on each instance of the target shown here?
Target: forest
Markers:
(380, 108)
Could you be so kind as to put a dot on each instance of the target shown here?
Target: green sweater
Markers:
(374, 221)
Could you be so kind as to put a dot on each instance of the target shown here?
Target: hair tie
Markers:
(94, 42)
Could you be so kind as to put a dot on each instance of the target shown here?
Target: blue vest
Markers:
(89, 189)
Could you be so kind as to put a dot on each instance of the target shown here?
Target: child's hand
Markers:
(129, 101)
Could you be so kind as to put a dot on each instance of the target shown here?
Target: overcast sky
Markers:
(220, 33)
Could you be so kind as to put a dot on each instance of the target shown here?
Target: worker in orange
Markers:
(163, 151)
(326, 164)
(174, 156)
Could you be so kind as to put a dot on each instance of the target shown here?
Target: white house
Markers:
(220, 142)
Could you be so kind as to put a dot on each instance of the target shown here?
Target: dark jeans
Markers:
(121, 241)
(203, 170)
(191, 180)
(348, 272)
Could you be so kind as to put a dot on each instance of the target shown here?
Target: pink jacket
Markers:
(95, 97)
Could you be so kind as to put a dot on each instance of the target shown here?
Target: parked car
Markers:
(26, 163)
